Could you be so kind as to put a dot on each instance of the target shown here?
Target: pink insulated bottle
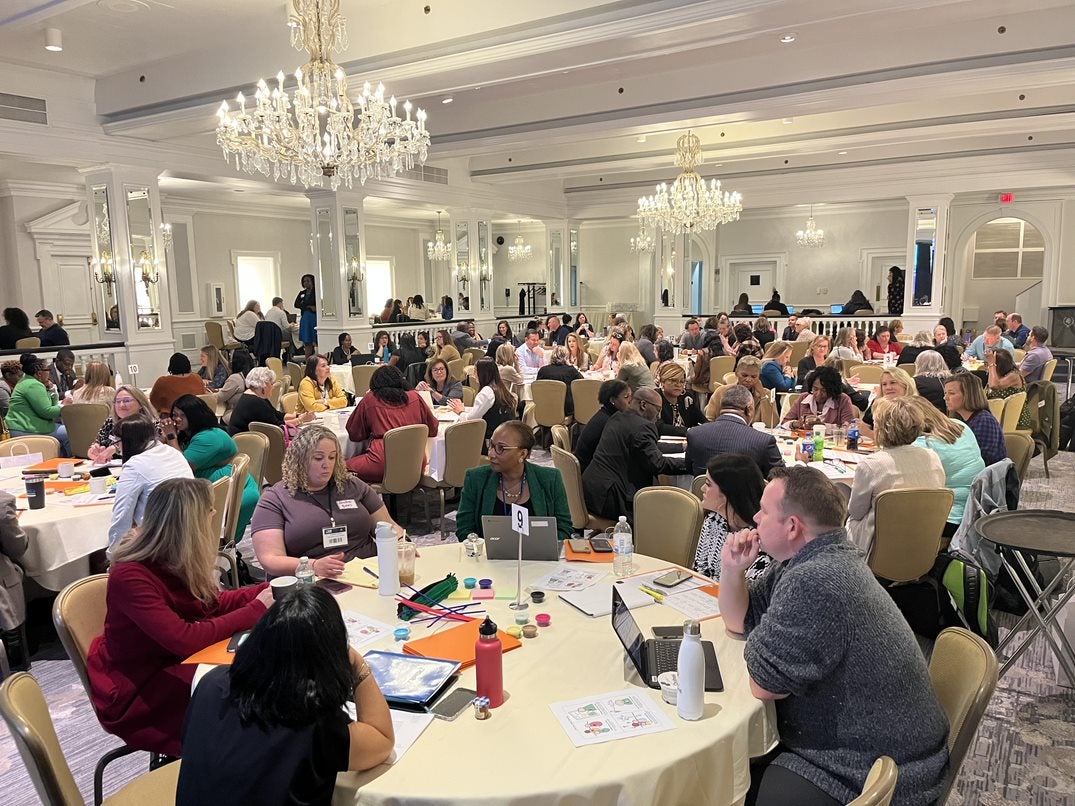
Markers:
(489, 664)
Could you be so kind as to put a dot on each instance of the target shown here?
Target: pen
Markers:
(658, 597)
(368, 571)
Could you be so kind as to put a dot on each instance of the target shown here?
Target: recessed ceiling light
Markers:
(53, 40)
(788, 121)
(787, 38)
(447, 100)
(841, 153)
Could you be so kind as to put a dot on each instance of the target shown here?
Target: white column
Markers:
(927, 213)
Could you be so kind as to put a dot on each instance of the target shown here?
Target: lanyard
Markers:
(328, 510)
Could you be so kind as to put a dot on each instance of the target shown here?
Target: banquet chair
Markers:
(255, 446)
(404, 459)
(221, 496)
(771, 313)
(472, 354)
(549, 400)
(908, 526)
(561, 437)
(1018, 354)
(729, 378)
(289, 402)
(240, 466)
(468, 395)
(868, 373)
(415, 372)
(455, 369)
(48, 447)
(462, 450)
(276, 393)
(272, 466)
(880, 784)
(83, 421)
(963, 670)
(1013, 408)
(26, 713)
(1020, 449)
(698, 486)
(584, 395)
(908, 368)
(1048, 370)
(294, 373)
(210, 399)
(361, 374)
(799, 349)
(719, 366)
(581, 517)
(996, 406)
(667, 524)
(277, 366)
(29, 343)
(214, 332)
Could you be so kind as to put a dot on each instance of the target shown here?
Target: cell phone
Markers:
(667, 632)
(237, 640)
(579, 546)
(334, 586)
(672, 578)
(97, 472)
(601, 545)
(453, 704)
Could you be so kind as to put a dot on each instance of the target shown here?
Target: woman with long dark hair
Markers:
(277, 713)
(440, 384)
(383, 348)
(16, 326)
(494, 402)
(318, 390)
(389, 404)
(408, 352)
(306, 304)
(731, 497)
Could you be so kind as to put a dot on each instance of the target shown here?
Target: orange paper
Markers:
(592, 557)
(216, 654)
(49, 465)
(456, 644)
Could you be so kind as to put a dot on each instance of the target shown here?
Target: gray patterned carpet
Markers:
(1024, 752)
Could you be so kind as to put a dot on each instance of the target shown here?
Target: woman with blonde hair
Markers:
(577, 354)
(846, 345)
(214, 369)
(679, 409)
(128, 400)
(633, 368)
(507, 363)
(895, 383)
(98, 385)
(775, 372)
(164, 603)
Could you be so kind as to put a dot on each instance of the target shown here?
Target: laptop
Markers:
(501, 543)
(757, 309)
(652, 656)
(835, 309)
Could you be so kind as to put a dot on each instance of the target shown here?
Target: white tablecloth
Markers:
(522, 755)
(341, 374)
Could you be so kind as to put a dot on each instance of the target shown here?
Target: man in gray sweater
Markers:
(827, 643)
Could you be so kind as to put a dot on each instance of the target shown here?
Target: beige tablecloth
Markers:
(341, 374)
(522, 755)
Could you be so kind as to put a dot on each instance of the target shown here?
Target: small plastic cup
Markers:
(406, 554)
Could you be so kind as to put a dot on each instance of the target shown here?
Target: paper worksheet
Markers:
(695, 604)
(408, 726)
(362, 630)
(608, 717)
(565, 578)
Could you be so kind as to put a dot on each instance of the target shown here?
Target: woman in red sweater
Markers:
(164, 604)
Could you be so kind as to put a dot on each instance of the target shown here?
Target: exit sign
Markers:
(1007, 198)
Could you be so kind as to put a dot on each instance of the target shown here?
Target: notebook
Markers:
(456, 644)
(596, 600)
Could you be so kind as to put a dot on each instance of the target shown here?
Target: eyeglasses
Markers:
(499, 449)
(125, 401)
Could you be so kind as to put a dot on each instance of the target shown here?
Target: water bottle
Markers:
(690, 667)
(305, 572)
(623, 548)
(119, 380)
(489, 664)
(853, 435)
(387, 559)
(819, 443)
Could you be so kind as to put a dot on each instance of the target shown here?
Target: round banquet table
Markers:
(342, 375)
(523, 756)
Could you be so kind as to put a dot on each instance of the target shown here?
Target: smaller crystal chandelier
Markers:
(166, 235)
(811, 236)
(520, 250)
(643, 243)
(438, 250)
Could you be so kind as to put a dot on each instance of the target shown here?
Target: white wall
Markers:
(608, 270)
(507, 274)
(406, 246)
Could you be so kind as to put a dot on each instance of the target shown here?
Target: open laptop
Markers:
(836, 309)
(501, 543)
(652, 656)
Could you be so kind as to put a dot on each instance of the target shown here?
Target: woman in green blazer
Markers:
(510, 479)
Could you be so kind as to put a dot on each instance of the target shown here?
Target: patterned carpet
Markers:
(1024, 751)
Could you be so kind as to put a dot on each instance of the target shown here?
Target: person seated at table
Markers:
(214, 369)
(555, 332)
(894, 383)
(494, 402)
(743, 343)
(146, 463)
(747, 375)
(613, 396)
(742, 306)
(558, 369)
(342, 353)
(679, 409)
(922, 341)
(883, 343)
(775, 372)
(693, 337)
(966, 401)
(445, 347)
(1006, 380)
(577, 354)
(895, 326)
(846, 346)
(1037, 354)
(530, 352)
(860, 400)
(988, 342)
(33, 410)
(803, 330)
(96, 386)
(609, 360)
(389, 404)
(819, 351)
(857, 304)
(314, 493)
(179, 381)
(422, 340)
(763, 331)
(898, 463)
(930, 373)
(627, 458)
(829, 646)
(633, 368)
(416, 310)
(386, 312)
(229, 394)
(164, 603)
(1017, 333)
(731, 432)
(194, 429)
(247, 321)
(408, 353)
(583, 327)
(510, 478)
(318, 390)
(51, 334)
(16, 327)
(129, 400)
(10, 374)
(441, 386)
(504, 335)
(254, 405)
(384, 350)
(646, 341)
(731, 496)
(945, 333)
(956, 447)
(277, 713)
(825, 404)
(507, 363)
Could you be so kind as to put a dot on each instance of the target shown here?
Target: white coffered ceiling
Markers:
(591, 96)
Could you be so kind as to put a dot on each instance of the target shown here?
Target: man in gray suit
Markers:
(731, 433)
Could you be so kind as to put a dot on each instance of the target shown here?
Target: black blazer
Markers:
(586, 444)
(729, 434)
(932, 389)
(689, 410)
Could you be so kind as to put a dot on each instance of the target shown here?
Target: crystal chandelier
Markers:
(811, 236)
(317, 132)
(520, 250)
(643, 243)
(689, 204)
(438, 250)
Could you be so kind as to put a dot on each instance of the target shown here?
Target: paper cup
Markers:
(759, 426)
(282, 585)
(669, 683)
(99, 485)
(66, 470)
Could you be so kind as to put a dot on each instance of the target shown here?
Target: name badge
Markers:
(347, 503)
(334, 536)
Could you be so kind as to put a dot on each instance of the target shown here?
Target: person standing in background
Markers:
(895, 291)
(306, 305)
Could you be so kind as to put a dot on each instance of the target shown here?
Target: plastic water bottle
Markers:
(690, 666)
(387, 559)
(305, 572)
(853, 435)
(819, 443)
(119, 380)
(623, 547)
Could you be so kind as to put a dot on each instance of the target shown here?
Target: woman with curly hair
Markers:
(825, 404)
(314, 493)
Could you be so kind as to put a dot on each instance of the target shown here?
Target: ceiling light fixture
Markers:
(689, 204)
(318, 132)
(643, 243)
(787, 39)
(788, 121)
(438, 250)
(520, 250)
(447, 100)
(811, 237)
(841, 153)
(53, 40)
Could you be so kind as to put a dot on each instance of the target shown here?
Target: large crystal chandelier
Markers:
(811, 236)
(520, 250)
(690, 204)
(438, 250)
(317, 132)
(643, 243)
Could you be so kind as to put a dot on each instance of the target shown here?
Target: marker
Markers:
(658, 597)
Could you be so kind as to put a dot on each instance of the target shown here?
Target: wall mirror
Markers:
(329, 270)
(103, 267)
(462, 269)
(485, 268)
(925, 244)
(556, 269)
(573, 273)
(667, 277)
(145, 265)
(352, 262)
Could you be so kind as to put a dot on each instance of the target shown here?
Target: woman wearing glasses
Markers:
(508, 479)
(129, 401)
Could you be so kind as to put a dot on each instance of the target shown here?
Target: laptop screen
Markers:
(627, 630)
(836, 309)
(757, 309)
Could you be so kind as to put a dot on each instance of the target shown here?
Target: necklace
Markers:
(509, 497)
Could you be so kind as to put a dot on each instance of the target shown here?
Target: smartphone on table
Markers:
(601, 545)
(453, 704)
(673, 578)
(334, 586)
(579, 545)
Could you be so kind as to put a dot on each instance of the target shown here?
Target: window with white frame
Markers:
(378, 283)
(1008, 248)
(257, 276)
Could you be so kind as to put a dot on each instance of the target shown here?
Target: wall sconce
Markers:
(166, 235)
(103, 270)
(485, 273)
(357, 274)
(150, 275)
(462, 275)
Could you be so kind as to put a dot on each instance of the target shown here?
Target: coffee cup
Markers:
(281, 586)
(66, 470)
(99, 485)
(35, 491)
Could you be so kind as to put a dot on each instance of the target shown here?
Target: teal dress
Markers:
(209, 453)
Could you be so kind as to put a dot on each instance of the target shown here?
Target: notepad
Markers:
(457, 644)
(597, 600)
